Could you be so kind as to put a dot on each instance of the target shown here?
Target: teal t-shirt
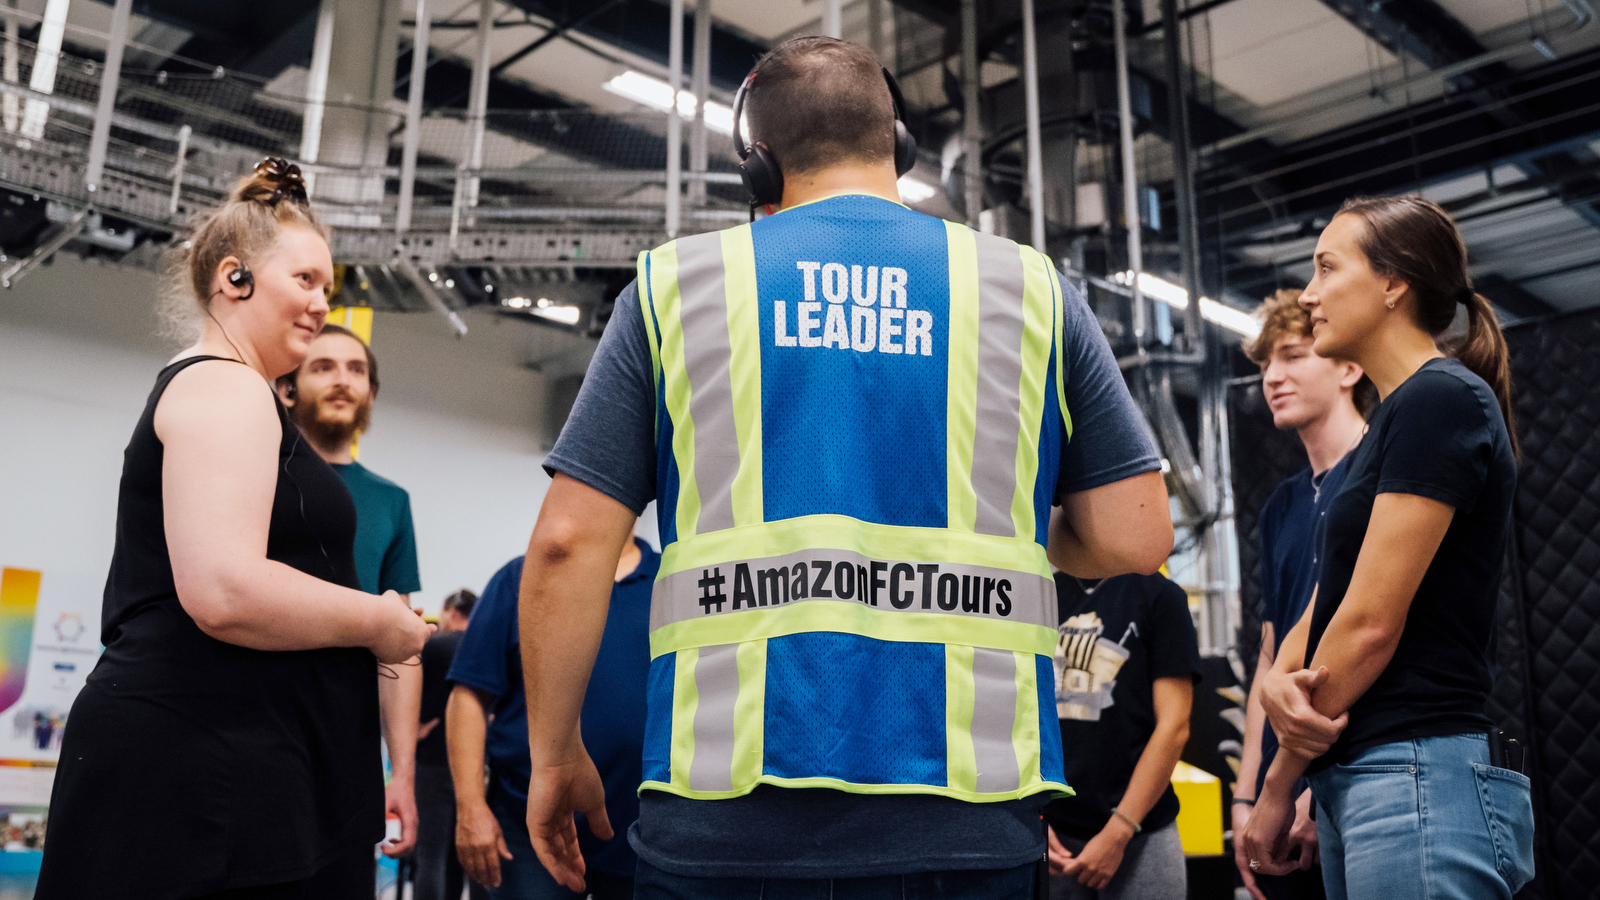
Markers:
(386, 547)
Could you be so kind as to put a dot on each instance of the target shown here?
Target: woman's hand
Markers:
(1266, 835)
(1247, 876)
(1099, 860)
(1286, 698)
(1303, 833)
(400, 631)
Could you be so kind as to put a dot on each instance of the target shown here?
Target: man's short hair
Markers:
(292, 378)
(461, 601)
(819, 101)
(1282, 316)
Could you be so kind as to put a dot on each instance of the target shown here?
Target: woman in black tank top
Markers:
(226, 744)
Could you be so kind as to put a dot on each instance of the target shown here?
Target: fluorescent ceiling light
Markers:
(566, 315)
(657, 94)
(914, 191)
(1235, 320)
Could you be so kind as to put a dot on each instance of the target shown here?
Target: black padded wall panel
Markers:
(1556, 582)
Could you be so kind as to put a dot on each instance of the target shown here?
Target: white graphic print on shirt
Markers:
(1086, 667)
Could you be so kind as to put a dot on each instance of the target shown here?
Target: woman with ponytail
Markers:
(226, 743)
(1378, 693)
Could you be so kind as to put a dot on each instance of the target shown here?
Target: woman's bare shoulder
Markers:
(216, 395)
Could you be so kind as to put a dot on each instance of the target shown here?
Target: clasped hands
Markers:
(1303, 735)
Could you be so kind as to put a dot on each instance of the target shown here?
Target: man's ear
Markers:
(1349, 375)
(286, 391)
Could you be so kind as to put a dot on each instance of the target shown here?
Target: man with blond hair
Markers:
(1323, 401)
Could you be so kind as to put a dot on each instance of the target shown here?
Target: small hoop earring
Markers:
(1390, 304)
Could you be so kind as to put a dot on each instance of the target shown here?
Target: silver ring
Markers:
(1255, 864)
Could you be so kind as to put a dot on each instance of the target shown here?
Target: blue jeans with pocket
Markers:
(1424, 819)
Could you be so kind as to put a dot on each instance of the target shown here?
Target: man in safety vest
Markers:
(855, 420)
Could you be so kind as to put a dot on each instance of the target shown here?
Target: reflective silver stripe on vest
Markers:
(892, 585)
(994, 453)
(994, 714)
(706, 357)
(716, 680)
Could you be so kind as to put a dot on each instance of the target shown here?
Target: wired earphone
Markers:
(242, 277)
(759, 170)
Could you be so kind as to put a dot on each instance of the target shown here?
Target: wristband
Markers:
(1124, 817)
(1247, 801)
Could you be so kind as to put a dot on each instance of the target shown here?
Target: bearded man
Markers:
(330, 397)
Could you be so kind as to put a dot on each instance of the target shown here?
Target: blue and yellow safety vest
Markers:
(859, 423)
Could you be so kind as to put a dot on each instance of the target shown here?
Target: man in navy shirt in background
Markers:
(491, 828)
(1323, 401)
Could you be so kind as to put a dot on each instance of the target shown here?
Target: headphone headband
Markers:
(759, 170)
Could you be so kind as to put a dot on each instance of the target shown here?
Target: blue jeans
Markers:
(995, 884)
(1424, 819)
(523, 877)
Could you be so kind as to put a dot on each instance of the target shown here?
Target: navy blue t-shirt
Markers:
(1291, 535)
(489, 659)
(1439, 435)
(609, 444)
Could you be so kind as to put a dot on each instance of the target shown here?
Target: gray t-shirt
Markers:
(609, 444)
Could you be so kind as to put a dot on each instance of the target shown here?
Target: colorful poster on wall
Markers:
(42, 666)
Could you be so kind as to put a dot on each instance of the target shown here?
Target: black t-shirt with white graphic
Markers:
(1116, 639)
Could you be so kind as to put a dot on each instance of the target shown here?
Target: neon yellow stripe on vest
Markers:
(962, 394)
(744, 333)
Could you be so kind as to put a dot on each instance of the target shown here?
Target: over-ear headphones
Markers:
(759, 170)
(243, 278)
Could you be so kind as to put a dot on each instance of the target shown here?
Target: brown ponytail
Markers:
(1416, 241)
(245, 225)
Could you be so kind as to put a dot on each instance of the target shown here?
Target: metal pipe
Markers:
(1030, 83)
(833, 19)
(701, 84)
(46, 57)
(478, 99)
(317, 91)
(1130, 183)
(410, 273)
(875, 29)
(408, 154)
(1182, 175)
(109, 78)
(674, 121)
(972, 127)
(11, 70)
(177, 169)
(69, 230)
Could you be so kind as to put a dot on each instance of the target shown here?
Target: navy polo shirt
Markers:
(1291, 535)
(489, 659)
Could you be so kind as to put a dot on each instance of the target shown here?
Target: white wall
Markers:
(458, 424)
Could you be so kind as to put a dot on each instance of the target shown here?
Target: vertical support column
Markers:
(1030, 86)
(675, 121)
(972, 125)
(109, 79)
(1130, 177)
(317, 91)
(833, 19)
(45, 60)
(700, 83)
(408, 157)
(478, 99)
(10, 69)
(1182, 172)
